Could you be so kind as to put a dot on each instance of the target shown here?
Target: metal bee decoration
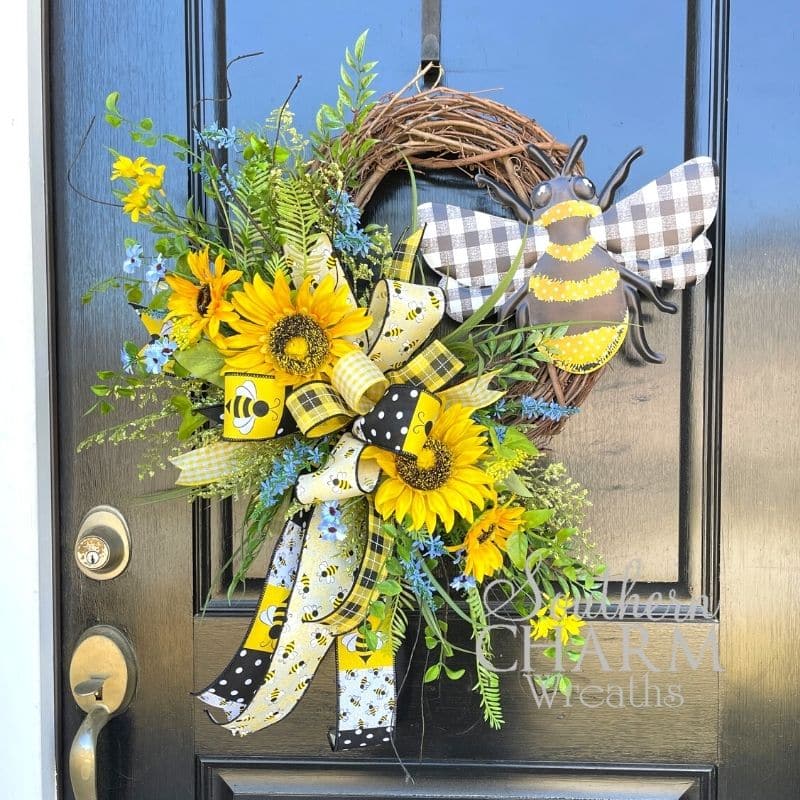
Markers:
(585, 259)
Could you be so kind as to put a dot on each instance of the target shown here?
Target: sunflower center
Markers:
(484, 536)
(429, 470)
(299, 344)
(203, 299)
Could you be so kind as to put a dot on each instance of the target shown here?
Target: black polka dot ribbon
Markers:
(401, 420)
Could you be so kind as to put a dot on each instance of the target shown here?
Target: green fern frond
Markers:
(298, 215)
(488, 685)
(401, 603)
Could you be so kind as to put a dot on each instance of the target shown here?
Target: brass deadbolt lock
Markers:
(103, 546)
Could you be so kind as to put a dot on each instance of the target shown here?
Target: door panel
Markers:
(647, 444)
(368, 780)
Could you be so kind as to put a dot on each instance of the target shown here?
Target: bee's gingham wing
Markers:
(663, 218)
(683, 269)
(472, 251)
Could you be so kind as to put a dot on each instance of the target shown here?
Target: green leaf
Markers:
(535, 518)
(134, 293)
(346, 79)
(105, 374)
(393, 567)
(190, 423)
(371, 638)
(281, 154)
(565, 534)
(100, 390)
(361, 43)
(517, 549)
(378, 609)
(454, 674)
(203, 360)
(111, 103)
(389, 587)
(514, 484)
(159, 301)
(432, 673)
(146, 124)
(113, 121)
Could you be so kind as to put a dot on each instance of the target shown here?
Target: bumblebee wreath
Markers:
(391, 467)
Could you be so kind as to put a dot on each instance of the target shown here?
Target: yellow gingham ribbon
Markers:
(402, 263)
(318, 409)
(432, 368)
(208, 464)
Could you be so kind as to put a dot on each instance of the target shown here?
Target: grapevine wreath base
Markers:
(443, 128)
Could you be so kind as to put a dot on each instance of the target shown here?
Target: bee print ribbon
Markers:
(237, 684)
(366, 690)
(324, 576)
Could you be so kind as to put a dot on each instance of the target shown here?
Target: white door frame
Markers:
(29, 723)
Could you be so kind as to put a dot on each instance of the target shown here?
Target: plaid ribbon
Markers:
(207, 464)
(403, 257)
(353, 610)
(432, 368)
(317, 408)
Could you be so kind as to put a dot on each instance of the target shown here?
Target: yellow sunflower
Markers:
(295, 336)
(201, 306)
(485, 541)
(442, 480)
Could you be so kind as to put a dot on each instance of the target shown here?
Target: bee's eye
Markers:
(541, 195)
(583, 188)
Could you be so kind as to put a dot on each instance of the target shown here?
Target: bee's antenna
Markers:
(574, 154)
(542, 159)
(606, 196)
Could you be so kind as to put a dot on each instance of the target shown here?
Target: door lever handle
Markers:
(83, 754)
(102, 676)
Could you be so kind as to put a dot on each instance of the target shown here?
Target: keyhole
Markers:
(92, 558)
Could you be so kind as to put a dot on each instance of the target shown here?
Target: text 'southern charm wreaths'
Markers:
(312, 377)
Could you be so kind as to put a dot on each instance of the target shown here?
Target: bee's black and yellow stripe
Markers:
(579, 283)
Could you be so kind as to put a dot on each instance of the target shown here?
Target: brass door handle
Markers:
(102, 676)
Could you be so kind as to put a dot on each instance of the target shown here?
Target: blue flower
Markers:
(500, 432)
(293, 460)
(534, 407)
(156, 272)
(500, 408)
(348, 212)
(157, 353)
(129, 362)
(416, 578)
(134, 258)
(229, 185)
(331, 527)
(432, 547)
(215, 137)
(463, 583)
(457, 556)
(355, 242)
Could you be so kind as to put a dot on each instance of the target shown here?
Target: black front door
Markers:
(687, 499)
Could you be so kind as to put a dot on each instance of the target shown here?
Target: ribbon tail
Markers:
(325, 574)
(366, 689)
(236, 685)
(208, 464)
(474, 392)
(355, 608)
